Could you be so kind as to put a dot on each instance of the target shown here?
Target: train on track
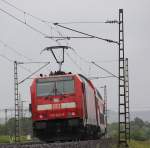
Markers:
(66, 106)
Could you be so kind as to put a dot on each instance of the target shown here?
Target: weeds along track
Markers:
(103, 143)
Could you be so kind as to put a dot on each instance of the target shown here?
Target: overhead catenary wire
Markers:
(73, 61)
(14, 50)
(6, 58)
(92, 22)
(56, 24)
(93, 78)
(77, 65)
(68, 37)
(36, 18)
(68, 28)
(10, 60)
(33, 62)
(106, 61)
(28, 25)
(34, 72)
(26, 13)
(83, 22)
(104, 69)
(83, 59)
(33, 16)
(20, 54)
(46, 21)
(60, 34)
(89, 62)
(50, 22)
(61, 37)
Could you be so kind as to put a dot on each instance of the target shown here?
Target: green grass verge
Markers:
(135, 144)
(7, 139)
(4, 139)
(139, 144)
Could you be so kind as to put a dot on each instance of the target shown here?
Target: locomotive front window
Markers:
(64, 87)
(51, 88)
(45, 88)
(69, 86)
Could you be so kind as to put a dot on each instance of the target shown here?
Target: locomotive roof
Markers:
(63, 74)
(86, 79)
(54, 75)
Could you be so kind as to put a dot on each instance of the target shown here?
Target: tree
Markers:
(140, 130)
(139, 122)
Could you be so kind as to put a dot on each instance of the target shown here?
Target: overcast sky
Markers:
(29, 43)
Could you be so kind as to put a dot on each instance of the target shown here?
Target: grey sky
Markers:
(30, 43)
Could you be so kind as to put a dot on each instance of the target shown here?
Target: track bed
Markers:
(103, 143)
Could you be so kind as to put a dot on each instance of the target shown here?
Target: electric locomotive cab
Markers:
(55, 105)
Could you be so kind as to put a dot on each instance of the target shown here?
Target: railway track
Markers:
(104, 143)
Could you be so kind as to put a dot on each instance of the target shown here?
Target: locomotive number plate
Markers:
(56, 106)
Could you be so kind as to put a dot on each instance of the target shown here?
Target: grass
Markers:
(135, 144)
(7, 139)
(139, 144)
(132, 143)
(4, 139)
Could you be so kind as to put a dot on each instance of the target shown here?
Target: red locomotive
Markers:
(66, 106)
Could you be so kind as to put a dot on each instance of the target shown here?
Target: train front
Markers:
(56, 107)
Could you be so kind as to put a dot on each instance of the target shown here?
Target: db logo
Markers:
(56, 106)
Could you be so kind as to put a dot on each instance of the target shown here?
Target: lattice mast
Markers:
(16, 97)
(105, 98)
(6, 121)
(127, 98)
(122, 132)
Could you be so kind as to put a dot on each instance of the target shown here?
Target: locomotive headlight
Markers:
(73, 113)
(44, 107)
(68, 105)
(41, 116)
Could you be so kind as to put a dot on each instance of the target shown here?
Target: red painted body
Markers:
(56, 111)
(83, 103)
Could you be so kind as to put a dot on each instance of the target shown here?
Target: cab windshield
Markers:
(52, 87)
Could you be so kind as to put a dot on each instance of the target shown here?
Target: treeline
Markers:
(140, 130)
(9, 127)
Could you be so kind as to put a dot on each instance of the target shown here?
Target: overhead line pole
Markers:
(106, 111)
(17, 98)
(17, 109)
(122, 129)
(106, 114)
(122, 132)
(6, 128)
(127, 98)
